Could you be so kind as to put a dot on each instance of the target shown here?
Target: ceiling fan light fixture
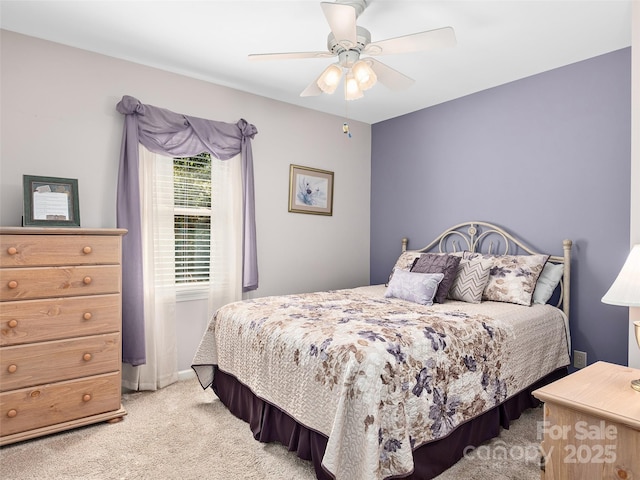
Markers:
(348, 41)
(364, 75)
(351, 89)
(330, 78)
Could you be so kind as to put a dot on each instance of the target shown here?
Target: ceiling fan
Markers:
(349, 42)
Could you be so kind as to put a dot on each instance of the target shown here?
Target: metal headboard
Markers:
(484, 237)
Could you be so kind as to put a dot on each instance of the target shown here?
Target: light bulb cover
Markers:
(364, 75)
(351, 89)
(329, 79)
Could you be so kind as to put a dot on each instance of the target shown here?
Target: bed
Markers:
(398, 380)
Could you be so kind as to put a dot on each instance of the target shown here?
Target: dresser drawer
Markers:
(44, 405)
(38, 363)
(57, 318)
(31, 283)
(53, 250)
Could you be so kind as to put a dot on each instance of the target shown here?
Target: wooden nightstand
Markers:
(591, 428)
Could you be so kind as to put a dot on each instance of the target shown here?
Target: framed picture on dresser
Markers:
(50, 202)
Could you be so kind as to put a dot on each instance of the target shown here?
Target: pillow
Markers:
(438, 263)
(414, 287)
(471, 279)
(513, 277)
(404, 262)
(547, 282)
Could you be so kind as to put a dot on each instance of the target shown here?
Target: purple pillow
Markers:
(438, 263)
(413, 287)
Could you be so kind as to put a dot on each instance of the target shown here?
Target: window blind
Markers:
(192, 218)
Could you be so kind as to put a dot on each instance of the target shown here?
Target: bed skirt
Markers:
(270, 424)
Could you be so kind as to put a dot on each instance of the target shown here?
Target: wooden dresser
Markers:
(60, 329)
(591, 425)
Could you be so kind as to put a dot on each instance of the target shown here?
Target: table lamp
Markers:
(625, 291)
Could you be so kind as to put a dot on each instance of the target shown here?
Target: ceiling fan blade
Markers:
(429, 40)
(389, 77)
(312, 90)
(288, 56)
(342, 21)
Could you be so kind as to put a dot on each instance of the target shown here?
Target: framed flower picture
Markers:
(310, 190)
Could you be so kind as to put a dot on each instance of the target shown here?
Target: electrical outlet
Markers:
(579, 359)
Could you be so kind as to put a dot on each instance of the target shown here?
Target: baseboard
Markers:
(186, 375)
(182, 375)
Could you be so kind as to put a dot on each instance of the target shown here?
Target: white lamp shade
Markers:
(364, 75)
(625, 290)
(330, 78)
(351, 89)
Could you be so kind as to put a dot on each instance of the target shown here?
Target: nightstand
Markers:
(591, 428)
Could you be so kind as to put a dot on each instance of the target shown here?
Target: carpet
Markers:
(182, 432)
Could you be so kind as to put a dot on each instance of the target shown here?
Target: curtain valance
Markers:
(165, 132)
(168, 133)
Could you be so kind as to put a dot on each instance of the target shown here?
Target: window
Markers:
(192, 219)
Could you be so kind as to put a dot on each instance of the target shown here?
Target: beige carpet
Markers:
(183, 432)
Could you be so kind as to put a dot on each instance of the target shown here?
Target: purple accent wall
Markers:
(546, 157)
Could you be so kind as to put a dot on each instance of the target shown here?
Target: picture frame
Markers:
(310, 190)
(50, 202)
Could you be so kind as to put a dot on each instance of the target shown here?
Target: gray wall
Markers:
(59, 119)
(547, 157)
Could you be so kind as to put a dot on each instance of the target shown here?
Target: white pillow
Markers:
(547, 282)
(414, 287)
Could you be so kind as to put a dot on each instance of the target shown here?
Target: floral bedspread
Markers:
(381, 376)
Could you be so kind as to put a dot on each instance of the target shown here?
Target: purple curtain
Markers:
(164, 132)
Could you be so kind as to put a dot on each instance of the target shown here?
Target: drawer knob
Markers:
(13, 323)
(87, 250)
(12, 413)
(86, 357)
(87, 316)
(13, 368)
(86, 280)
(12, 250)
(12, 284)
(86, 397)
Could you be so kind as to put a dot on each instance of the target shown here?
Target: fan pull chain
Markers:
(345, 125)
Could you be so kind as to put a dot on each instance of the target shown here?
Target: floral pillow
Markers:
(414, 287)
(438, 263)
(405, 262)
(512, 278)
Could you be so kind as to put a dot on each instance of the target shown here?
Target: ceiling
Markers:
(498, 41)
